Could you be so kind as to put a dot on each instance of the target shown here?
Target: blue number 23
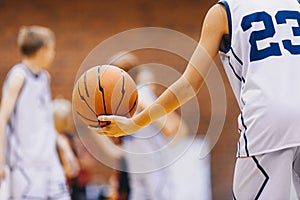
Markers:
(269, 31)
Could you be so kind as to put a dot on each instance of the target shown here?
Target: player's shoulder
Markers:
(219, 9)
(15, 77)
(47, 74)
(17, 72)
(216, 19)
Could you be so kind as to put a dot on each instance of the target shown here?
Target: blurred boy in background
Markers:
(26, 122)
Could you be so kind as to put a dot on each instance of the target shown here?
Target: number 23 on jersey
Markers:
(269, 31)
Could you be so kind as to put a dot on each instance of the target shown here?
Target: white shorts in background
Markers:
(191, 175)
(38, 183)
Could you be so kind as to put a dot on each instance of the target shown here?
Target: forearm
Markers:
(175, 96)
(180, 92)
(63, 144)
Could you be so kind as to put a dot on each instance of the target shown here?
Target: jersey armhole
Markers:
(226, 39)
(17, 72)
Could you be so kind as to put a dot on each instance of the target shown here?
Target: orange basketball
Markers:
(104, 90)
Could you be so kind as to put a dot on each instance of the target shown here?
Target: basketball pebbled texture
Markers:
(104, 90)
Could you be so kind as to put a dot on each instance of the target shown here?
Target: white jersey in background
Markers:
(36, 172)
(261, 57)
(145, 160)
(31, 134)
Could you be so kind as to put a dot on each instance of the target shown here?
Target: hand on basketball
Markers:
(119, 126)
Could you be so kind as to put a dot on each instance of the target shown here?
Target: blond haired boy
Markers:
(28, 139)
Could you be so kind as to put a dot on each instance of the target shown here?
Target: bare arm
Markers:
(187, 86)
(14, 87)
(170, 125)
(69, 159)
(215, 26)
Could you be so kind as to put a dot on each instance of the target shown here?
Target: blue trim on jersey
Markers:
(239, 149)
(236, 57)
(31, 73)
(245, 137)
(63, 191)
(243, 80)
(233, 70)
(264, 173)
(225, 4)
(233, 196)
(27, 188)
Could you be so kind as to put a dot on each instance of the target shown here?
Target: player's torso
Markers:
(32, 129)
(264, 66)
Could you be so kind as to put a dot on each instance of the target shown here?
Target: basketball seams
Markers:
(122, 92)
(127, 81)
(104, 90)
(86, 103)
(86, 118)
(132, 108)
(83, 99)
(85, 85)
(101, 89)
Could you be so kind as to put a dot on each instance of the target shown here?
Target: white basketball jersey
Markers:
(143, 147)
(146, 158)
(261, 57)
(31, 134)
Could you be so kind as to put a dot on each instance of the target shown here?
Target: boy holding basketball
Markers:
(259, 44)
(26, 122)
